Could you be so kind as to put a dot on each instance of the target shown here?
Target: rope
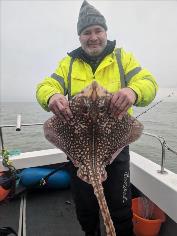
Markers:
(44, 180)
(7, 163)
(12, 173)
(22, 217)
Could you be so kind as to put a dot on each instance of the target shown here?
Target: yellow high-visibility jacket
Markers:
(117, 70)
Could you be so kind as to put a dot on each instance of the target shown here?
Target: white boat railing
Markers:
(164, 147)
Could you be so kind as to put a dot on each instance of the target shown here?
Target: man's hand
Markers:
(122, 101)
(59, 105)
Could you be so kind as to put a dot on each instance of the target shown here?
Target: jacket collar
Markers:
(93, 61)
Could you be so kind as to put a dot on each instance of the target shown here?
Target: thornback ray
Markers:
(92, 139)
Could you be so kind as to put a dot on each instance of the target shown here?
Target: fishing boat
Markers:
(50, 212)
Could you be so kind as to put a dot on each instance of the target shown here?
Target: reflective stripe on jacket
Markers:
(118, 69)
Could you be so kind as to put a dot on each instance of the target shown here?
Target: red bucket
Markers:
(3, 192)
(146, 227)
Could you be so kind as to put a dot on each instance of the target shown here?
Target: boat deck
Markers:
(54, 214)
(48, 213)
(51, 213)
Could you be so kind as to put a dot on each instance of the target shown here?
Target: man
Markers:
(119, 73)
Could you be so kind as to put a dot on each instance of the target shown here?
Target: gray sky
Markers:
(35, 35)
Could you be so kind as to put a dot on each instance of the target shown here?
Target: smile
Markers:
(93, 45)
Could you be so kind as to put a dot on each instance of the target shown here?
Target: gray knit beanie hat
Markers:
(88, 16)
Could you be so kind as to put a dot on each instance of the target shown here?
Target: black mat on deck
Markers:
(51, 213)
(9, 214)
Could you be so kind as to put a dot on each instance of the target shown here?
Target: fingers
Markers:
(121, 102)
(59, 105)
(60, 111)
(64, 109)
(120, 106)
(121, 113)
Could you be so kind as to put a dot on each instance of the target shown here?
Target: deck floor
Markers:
(9, 214)
(48, 213)
(52, 213)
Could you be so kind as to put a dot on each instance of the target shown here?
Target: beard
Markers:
(95, 51)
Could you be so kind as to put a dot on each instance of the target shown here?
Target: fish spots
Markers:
(92, 138)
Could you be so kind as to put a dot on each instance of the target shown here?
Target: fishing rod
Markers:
(154, 105)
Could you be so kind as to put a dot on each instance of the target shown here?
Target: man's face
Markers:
(93, 40)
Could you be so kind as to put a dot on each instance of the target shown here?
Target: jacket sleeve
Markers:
(139, 79)
(56, 83)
